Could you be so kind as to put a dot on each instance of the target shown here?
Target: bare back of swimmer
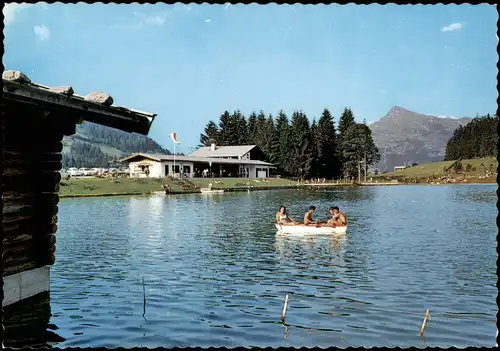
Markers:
(338, 218)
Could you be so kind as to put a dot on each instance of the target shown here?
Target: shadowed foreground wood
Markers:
(27, 323)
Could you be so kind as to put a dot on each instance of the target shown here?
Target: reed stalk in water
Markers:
(144, 295)
(283, 314)
(427, 317)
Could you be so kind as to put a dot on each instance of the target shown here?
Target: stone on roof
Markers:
(95, 107)
(99, 98)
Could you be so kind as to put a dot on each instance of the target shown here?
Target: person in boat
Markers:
(308, 216)
(282, 217)
(338, 218)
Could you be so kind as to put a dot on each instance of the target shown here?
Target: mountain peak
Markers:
(406, 136)
(401, 112)
(396, 109)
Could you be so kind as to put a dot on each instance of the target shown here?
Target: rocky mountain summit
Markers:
(404, 136)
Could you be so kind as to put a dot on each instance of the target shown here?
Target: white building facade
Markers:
(225, 161)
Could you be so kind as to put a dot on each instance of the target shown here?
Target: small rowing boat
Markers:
(310, 229)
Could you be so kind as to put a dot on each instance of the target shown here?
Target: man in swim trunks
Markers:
(338, 218)
(308, 216)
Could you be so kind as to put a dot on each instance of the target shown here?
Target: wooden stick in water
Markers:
(144, 294)
(283, 314)
(426, 318)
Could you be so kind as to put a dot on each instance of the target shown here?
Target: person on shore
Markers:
(338, 218)
(282, 217)
(308, 216)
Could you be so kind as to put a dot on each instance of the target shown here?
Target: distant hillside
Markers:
(403, 136)
(474, 167)
(94, 145)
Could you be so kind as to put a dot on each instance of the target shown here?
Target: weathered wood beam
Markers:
(15, 267)
(14, 213)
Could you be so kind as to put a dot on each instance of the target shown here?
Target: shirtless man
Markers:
(308, 216)
(338, 218)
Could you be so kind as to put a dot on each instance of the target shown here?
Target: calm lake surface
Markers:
(216, 272)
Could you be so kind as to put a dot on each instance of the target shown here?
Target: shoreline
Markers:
(270, 188)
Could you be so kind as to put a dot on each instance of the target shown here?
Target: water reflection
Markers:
(299, 246)
(27, 324)
(479, 194)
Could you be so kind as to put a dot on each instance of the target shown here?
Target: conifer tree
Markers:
(225, 129)
(301, 150)
(210, 135)
(252, 125)
(281, 145)
(328, 151)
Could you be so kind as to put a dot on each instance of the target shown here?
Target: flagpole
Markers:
(174, 160)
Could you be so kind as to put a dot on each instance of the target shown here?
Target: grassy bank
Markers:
(478, 172)
(242, 183)
(482, 170)
(104, 186)
(81, 187)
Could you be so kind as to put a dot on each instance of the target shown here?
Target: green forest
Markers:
(298, 148)
(479, 138)
(92, 144)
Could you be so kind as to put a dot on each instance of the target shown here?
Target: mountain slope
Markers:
(404, 136)
(94, 145)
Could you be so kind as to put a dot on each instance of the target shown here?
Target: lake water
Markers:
(216, 272)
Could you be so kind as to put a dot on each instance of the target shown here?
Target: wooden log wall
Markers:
(32, 162)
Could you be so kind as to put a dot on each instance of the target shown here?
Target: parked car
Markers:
(74, 172)
(94, 171)
(85, 171)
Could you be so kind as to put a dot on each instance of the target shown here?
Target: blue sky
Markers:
(189, 63)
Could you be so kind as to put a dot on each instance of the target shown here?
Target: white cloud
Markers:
(452, 27)
(141, 20)
(42, 32)
(11, 9)
(155, 20)
(207, 20)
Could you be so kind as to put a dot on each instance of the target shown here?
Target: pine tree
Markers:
(316, 167)
(239, 129)
(328, 152)
(210, 135)
(267, 139)
(252, 125)
(225, 129)
(358, 146)
(345, 122)
(261, 131)
(280, 154)
(301, 150)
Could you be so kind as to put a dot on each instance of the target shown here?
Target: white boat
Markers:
(211, 191)
(310, 229)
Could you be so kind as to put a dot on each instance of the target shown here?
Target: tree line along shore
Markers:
(300, 149)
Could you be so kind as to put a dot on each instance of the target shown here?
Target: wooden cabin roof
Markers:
(94, 107)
